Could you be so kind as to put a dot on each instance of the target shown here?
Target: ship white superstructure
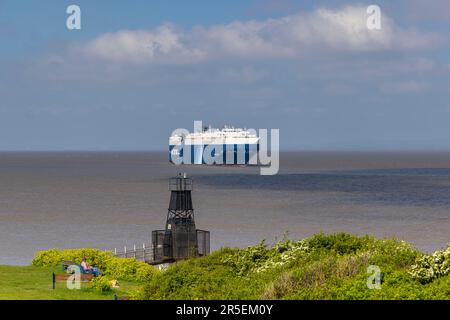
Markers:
(230, 146)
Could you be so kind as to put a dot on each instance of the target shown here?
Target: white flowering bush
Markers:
(259, 258)
(283, 254)
(389, 246)
(430, 267)
(244, 260)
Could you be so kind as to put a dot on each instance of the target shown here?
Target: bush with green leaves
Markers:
(341, 243)
(129, 269)
(260, 258)
(101, 284)
(245, 260)
(202, 278)
(114, 267)
(431, 267)
(54, 257)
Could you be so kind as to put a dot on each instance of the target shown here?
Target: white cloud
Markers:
(343, 29)
(165, 44)
(322, 31)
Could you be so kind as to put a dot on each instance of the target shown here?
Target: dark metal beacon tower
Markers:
(180, 239)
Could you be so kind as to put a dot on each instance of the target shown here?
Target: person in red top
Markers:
(88, 269)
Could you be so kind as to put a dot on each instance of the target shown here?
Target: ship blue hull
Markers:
(227, 154)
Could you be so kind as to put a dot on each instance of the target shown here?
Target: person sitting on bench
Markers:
(88, 269)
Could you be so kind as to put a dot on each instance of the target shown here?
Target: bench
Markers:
(84, 277)
(65, 264)
(64, 277)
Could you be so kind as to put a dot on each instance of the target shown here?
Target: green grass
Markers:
(35, 283)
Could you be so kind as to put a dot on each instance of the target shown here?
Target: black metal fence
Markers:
(203, 242)
(162, 244)
(161, 248)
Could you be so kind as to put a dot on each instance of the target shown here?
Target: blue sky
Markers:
(139, 69)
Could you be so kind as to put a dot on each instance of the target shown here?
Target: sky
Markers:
(137, 70)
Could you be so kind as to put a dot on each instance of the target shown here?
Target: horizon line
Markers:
(164, 151)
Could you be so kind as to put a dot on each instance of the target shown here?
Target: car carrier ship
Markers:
(227, 146)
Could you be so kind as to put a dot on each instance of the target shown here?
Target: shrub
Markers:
(282, 255)
(244, 260)
(341, 243)
(101, 284)
(350, 266)
(54, 257)
(392, 252)
(129, 269)
(285, 284)
(317, 273)
(259, 258)
(430, 267)
(119, 268)
(48, 258)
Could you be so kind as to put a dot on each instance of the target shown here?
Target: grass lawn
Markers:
(35, 283)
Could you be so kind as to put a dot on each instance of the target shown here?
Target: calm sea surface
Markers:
(108, 200)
